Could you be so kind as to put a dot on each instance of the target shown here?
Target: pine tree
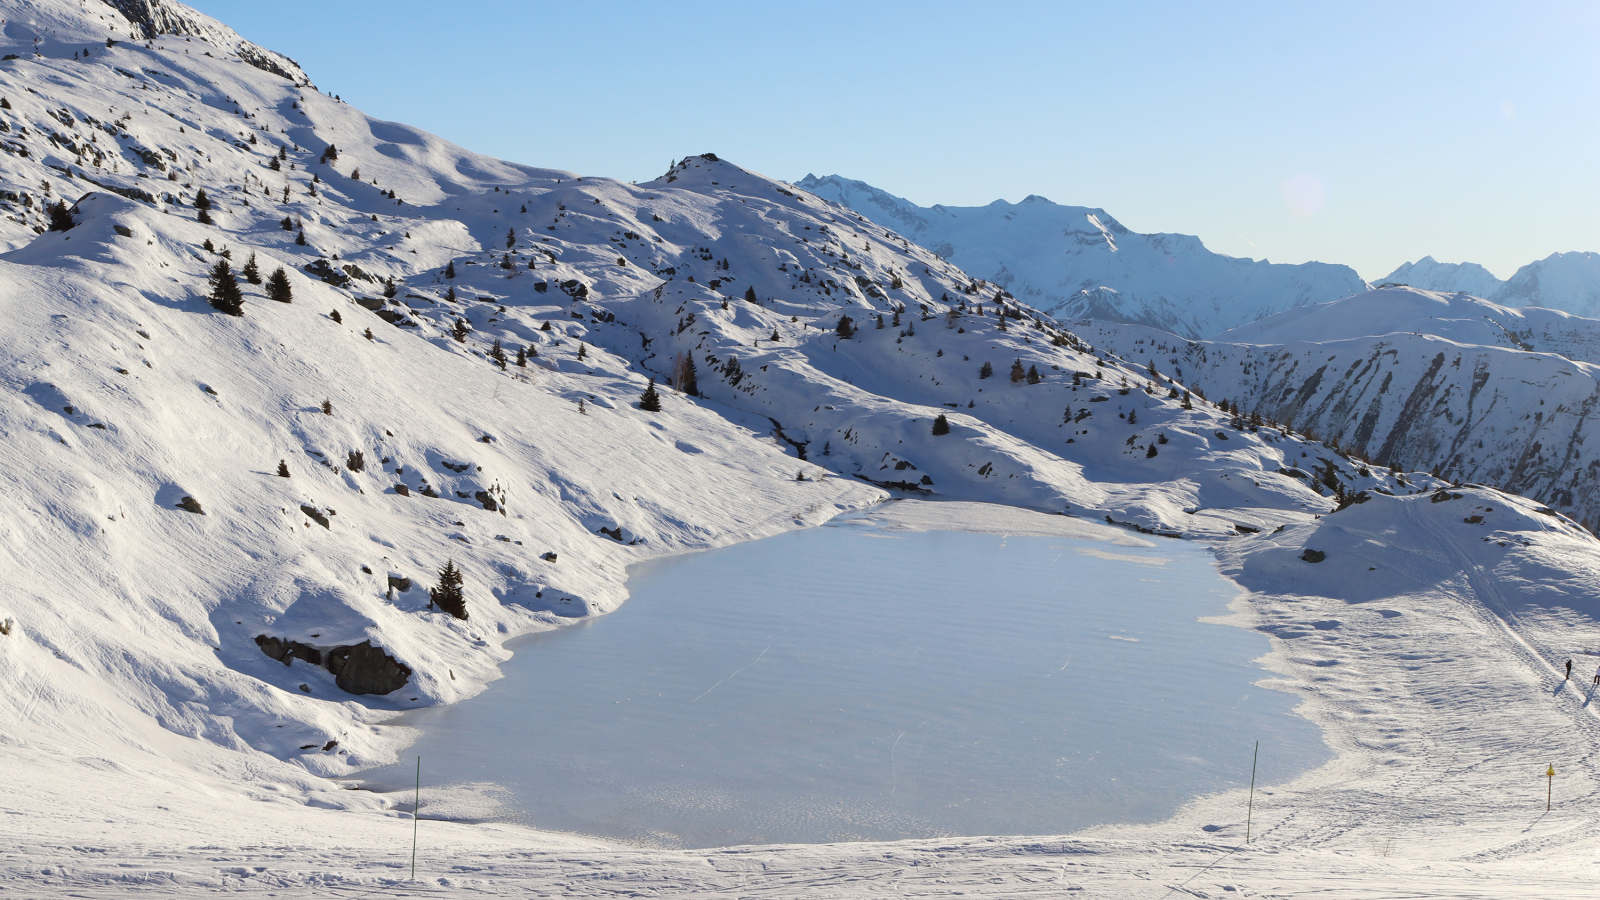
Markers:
(60, 216)
(287, 224)
(846, 328)
(750, 294)
(327, 407)
(278, 286)
(522, 357)
(511, 235)
(209, 247)
(986, 372)
(300, 238)
(448, 596)
(941, 425)
(1017, 372)
(369, 335)
(1133, 417)
(356, 173)
(201, 201)
(389, 289)
(225, 295)
(334, 315)
(459, 331)
(583, 350)
(775, 338)
(283, 469)
(450, 269)
(650, 401)
(251, 273)
(204, 218)
(1033, 375)
(498, 354)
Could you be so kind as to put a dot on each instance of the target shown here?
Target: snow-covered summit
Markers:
(1080, 262)
(1432, 275)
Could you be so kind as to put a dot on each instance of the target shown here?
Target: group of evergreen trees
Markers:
(226, 296)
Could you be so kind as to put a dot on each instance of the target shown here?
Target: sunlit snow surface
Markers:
(848, 683)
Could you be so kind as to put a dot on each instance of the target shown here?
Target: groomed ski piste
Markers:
(153, 746)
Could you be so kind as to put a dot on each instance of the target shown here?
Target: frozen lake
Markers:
(848, 683)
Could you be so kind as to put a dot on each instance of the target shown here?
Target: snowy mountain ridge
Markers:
(1075, 262)
(1485, 393)
(224, 527)
(1565, 281)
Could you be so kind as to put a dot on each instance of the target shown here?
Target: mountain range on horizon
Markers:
(1081, 263)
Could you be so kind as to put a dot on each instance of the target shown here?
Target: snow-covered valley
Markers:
(222, 527)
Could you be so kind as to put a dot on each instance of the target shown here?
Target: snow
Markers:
(1429, 274)
(153, 748)
(1076, 262)
(1564, 281)
(1411, 379)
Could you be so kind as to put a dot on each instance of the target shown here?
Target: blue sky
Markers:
(1364, 133)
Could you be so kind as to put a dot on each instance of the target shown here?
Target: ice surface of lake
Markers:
(847, 683)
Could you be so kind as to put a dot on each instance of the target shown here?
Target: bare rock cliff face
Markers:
(152, 17)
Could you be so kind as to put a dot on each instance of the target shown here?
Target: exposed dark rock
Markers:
(190, 504)
(488, 501)
(286, 651)
(323, 270)
(1313, 556)
(400, 584)
(315, 515)
(365, 669)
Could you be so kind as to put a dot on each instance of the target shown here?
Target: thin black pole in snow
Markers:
(416, 809)
(1249, 810)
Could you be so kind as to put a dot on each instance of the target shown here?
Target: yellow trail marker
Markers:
(1550, 775)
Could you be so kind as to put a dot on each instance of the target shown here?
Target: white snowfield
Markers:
(1407, 378)
(152, 747)
(1076, 262)
(1565, 281)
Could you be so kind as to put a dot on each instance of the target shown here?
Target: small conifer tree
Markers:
(511, 235)
(459, 330)
(278, 286)
(846, 328)
(750, 294)
(60, 216)
(987, 371)
(209, 247)
(941, 425)
(1017, 372)
(498, 354)
(201, 201)
(252, 273)
(450, 269)
(449, 596)
(650, 401)
(334, 315)
(287, 224)
(204, 218)
(225, 294)
(583, 350)
(327, 407)
(1033, 375)
(368, 335)
(1133, 417)
(300, 238)
(389, 288)
(283, 469)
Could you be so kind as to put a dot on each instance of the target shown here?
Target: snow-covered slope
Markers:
(1413, 379)
(1458, 317)
(1565, 281)
(1429, 274)
(126, 393)
(171, 593)
(1075, 262)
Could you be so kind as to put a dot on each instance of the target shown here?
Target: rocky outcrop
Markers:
(365, 669)
(358, 669)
